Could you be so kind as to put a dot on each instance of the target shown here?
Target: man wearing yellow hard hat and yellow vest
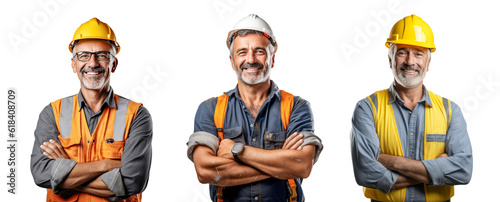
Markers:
(254, 142)
(407, 143)
(95, 145)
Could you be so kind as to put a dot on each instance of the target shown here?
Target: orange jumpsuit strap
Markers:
(286, 112)
(219, 115)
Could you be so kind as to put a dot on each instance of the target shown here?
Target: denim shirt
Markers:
(266, 132)
(453, 170)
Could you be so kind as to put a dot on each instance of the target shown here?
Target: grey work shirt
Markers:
(452, 170)
(128, 180)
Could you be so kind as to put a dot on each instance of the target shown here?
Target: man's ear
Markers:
(428, 63)
(115, 64)
(390, 62)
(232, 62)
(73, 64)
(273, 60)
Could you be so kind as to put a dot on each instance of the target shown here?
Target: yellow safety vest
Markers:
(437, 119)
(106, 142)
(285, 111)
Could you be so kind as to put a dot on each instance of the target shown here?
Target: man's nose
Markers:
(250, 58)
(93, 62)
(411, 60)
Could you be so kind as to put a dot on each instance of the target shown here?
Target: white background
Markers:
(174, 56)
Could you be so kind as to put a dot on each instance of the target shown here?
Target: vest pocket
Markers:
(434, 145)
(235, 134)
(113, 150)
(274, 140)
(72, 147)
(436, 137)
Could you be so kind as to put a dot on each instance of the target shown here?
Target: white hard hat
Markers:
(253, 22)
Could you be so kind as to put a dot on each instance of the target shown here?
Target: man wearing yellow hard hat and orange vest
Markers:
(407, 143)
(254, 142)
(95, 145)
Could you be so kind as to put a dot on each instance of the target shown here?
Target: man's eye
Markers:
(102, 55)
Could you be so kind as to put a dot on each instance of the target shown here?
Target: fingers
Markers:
(286, 145)
(49, 156)
(53, 150)
(442, 155)
(297, 144)
(48, 152)
(294, 141)
(59, 149)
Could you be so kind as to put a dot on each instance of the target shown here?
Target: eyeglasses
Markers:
(84, 56)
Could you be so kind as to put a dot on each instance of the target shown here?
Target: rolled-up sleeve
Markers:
(205, 132)
(457, 167)
(302, 121)
(365, 150)
(48, 173)
(132, 178)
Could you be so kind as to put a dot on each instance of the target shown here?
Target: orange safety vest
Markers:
(106, 142)
(286, 111)
(437, 120)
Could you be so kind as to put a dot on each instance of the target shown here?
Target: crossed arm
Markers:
(85, 176)
(292, 161)
(386, 172)
(413, 171)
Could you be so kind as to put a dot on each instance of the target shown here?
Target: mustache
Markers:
(247, 65)
(410, 67)
(98, 69)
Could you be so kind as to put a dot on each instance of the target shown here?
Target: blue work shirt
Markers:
(452, 170)
(266, 132)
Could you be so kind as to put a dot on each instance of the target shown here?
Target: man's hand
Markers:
(294, 141)
(225, 147)
(53, 150)
(412, 168)
(443, 155)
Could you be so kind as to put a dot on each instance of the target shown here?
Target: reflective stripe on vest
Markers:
(437, 120)
(106, 142)
(285, 113)
(67, 117)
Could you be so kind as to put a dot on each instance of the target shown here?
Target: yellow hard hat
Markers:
(94, 29)
(412, 30)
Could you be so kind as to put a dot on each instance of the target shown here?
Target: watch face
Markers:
(237, 148)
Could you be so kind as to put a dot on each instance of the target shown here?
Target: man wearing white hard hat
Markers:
(254, 142)
(95, 145)
(407, 143)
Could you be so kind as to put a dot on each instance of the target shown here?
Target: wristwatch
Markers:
(237, 150)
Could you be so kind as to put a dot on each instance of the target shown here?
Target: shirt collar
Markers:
(109, 101)
(274, 91)
(393, 95)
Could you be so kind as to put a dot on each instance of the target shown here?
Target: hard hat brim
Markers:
(72, 44)
(413, 43)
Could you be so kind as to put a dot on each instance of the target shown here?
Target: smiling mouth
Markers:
(92, 73)
(252, 68)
